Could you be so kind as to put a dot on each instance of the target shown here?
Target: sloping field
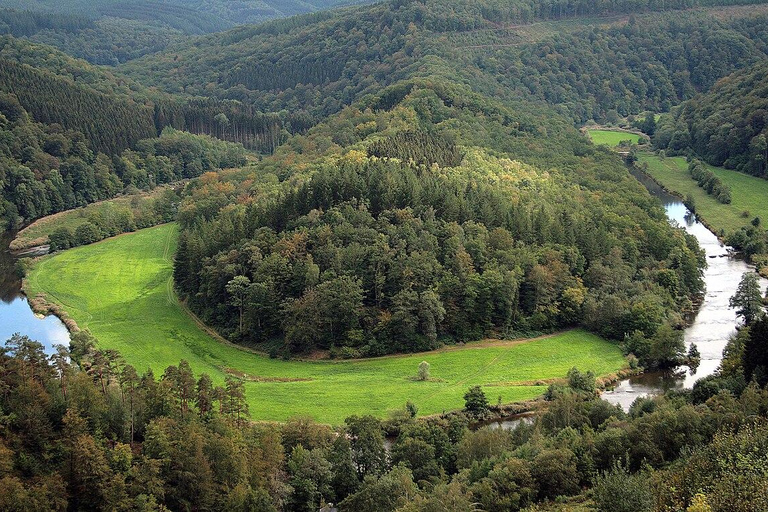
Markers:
(748, 193)
(121, 290)
(611, 138)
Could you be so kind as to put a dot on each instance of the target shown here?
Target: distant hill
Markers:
(587, 65)
(191, 17)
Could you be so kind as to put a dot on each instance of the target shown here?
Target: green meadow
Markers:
(121, 290)
(748, 193)
(611, 138)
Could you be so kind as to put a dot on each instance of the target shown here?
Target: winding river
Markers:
(710, 329)
(714, 322)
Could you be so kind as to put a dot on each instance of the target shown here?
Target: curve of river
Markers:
(714, 322)
(710, 329)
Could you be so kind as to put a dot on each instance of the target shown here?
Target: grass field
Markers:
(121, 290)
(748, 193)
(611, 138)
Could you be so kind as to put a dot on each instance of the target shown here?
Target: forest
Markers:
(727, 126)
(45, 168)
(378, 254)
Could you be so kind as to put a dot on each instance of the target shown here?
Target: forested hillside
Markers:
(46, 168)
(405, 222)
(646, 62)
(727, 126)
(195, 17)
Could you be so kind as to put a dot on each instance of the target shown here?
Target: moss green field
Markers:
(611, 138)
(748, 193)
(121, 290)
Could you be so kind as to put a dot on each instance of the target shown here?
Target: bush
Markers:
(61, 239)
(423, 371)
(619, 491)
(87, 233)
(476, 403)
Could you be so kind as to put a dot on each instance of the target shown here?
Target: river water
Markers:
(15, 314)
(714, 322)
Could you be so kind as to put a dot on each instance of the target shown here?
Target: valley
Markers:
(308, 260)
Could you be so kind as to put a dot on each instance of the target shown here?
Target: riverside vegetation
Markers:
(420, 183)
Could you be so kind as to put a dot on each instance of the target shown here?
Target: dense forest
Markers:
(646, 63)
(198, 17)
(727, 126)
(394, 240)
(45, 168)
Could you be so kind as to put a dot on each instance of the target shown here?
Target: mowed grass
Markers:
(121, 289)
(611, 138)
(748, 193)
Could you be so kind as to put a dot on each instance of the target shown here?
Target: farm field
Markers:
(611, 138)
(748, 193)
(121, 290)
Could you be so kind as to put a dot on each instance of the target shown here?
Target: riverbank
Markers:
(748, 193)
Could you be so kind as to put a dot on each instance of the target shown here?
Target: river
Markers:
(15, 313)
(713, 323)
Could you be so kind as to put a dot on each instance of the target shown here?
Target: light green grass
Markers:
(748, 193)
(121, 290)
(611, 138)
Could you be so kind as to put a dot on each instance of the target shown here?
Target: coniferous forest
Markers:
(369, 181)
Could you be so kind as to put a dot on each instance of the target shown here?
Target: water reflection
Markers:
(15, 313)
(714, 322)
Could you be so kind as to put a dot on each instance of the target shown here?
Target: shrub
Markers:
(87, 233)
(476, 403)
(423, 370)
(61, 239)
(619, 491)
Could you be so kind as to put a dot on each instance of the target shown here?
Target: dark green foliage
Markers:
(755, 355)
(27, 23)
(626, 70)
(46, 169)
(476, 403)
(378, 255)
(748, 299)
(109, 123)
(709, 182)
(419, 147)
(86, 234)
(110, 41)
(61, 239)
(95, 435)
